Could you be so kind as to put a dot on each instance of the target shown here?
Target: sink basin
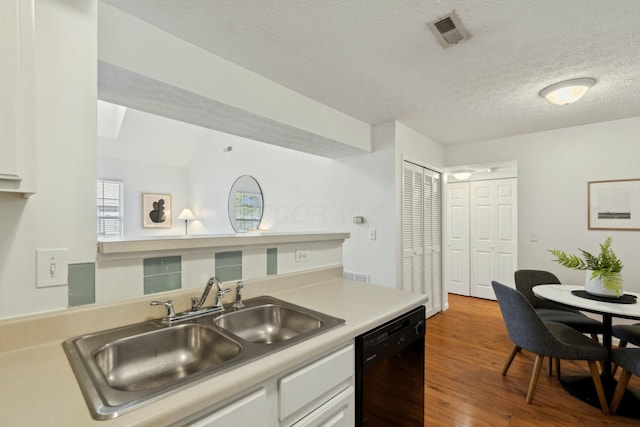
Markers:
(154, 359)
(268, 323)
(123, 368)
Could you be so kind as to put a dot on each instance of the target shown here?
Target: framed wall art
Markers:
(614, 204)
(156, 210)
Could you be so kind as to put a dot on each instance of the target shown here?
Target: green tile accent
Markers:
(82, 284)
(226, 274)
(229, 265)
(272, 261)
(227, 259)
(162, 274)
(162, 283)
(162, 265)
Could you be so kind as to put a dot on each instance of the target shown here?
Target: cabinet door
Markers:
(17, 163)
(247, 411)
(315, 382)
(337, 412)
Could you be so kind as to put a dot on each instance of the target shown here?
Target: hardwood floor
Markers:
(466, 347)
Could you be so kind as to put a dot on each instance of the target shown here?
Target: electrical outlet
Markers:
(373, 234)
(52, 267)
(302, 255)
(533, 236)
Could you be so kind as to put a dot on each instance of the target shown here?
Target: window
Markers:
(110, 212)
(248, 211)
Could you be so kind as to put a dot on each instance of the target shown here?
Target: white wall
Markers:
(141, 178)
(303, 192)
(553, 170)
(62, 213)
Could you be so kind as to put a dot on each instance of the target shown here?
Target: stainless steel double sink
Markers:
(123, 368)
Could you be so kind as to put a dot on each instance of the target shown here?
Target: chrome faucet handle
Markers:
(169, 306)
(238, 303)
(219, 295)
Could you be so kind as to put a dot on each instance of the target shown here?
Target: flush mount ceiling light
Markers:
(461, 175)
(568, 91)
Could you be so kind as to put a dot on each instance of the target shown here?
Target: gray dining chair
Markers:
(552, 339)
(626, 334)
(550, 311)
(629, 360)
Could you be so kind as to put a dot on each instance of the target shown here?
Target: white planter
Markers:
(596, 287)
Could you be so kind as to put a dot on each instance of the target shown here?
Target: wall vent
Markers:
(358, 277)
(449, 30)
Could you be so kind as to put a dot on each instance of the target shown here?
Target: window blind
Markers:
(110, 209)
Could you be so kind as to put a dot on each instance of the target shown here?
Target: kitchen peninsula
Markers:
(36, 371)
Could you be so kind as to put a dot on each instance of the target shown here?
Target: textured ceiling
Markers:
(378, 61)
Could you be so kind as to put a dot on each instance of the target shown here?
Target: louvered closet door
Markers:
(412, 228)
(421, 247)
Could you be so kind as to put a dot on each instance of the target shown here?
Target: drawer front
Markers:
(313, 381)
(242, 412)
(337, 412)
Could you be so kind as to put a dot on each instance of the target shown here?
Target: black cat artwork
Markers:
(157, 214)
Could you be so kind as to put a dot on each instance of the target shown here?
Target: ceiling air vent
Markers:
(449, 30)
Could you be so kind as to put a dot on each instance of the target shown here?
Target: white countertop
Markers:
(38, 386)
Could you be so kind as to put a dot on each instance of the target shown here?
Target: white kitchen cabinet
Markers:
(243, 412)
(315, 382)
(339, 411)
(319, 392)
(17, 103)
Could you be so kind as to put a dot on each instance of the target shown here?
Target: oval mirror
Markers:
(245, 204)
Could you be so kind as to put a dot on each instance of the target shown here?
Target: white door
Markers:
(432, 241)
(493, 234)
(456, 267)
(421, 241)
(412, 227)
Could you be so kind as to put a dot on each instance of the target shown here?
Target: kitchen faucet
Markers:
(196, 303)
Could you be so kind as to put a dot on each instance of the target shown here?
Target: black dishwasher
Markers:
(390, 372)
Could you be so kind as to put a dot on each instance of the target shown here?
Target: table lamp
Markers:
(187, 215)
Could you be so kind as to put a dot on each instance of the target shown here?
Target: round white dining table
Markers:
(562, 294)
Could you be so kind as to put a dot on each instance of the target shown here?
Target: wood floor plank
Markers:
(466, 348)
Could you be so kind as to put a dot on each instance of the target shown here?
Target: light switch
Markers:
(52, 267)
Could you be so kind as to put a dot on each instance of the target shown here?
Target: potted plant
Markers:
(603, 270)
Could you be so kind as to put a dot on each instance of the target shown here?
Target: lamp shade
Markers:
(567, 92)
(186, 214)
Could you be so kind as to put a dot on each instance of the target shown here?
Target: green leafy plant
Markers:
(605, 266)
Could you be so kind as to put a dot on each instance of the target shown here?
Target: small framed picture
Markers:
(156, 210)
(614, 205)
